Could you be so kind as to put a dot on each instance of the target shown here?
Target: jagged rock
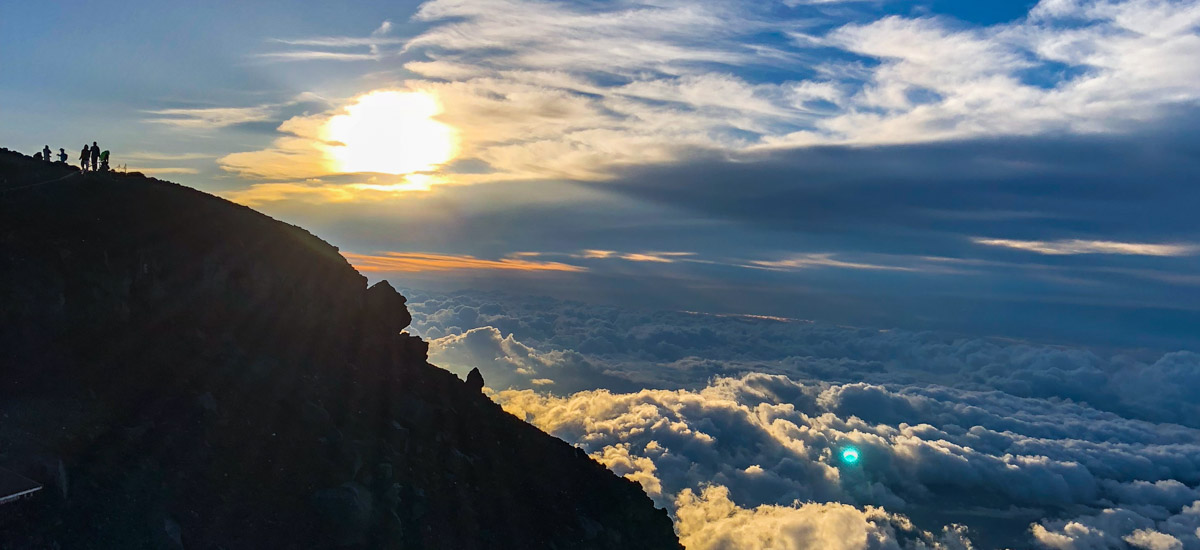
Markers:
(387, 308)
(415, 346)
(475, 380)
(123, 299)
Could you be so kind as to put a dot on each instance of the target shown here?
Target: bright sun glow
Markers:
(850, 455)
(390, 133)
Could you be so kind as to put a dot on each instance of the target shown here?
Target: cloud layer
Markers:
(736, 425)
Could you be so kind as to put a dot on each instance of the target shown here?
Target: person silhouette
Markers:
(62, 155)
(95, 156)
(46, 154)
(84, 155)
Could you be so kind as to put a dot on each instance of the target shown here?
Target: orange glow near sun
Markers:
(390, 132)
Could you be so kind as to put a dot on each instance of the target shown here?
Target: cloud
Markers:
(329, 47)
(630, 36)
(806, 261)
(208, 118)
(654, 257)
(735, 424)
(771, 442)
(316, 55)
(587, 91)
(300, 152)
(688, 82)
(679, 349)
(317, 193)
(1076, 246)
(404, 262)
(335, 42)
(507, 363)
(705, 149)
(152, 163)
(320, 191)
(149, 156)
(711, 520)
(1123, 528)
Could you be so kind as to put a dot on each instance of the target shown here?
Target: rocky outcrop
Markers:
(208, 377)
(475, 380)
(386, 308)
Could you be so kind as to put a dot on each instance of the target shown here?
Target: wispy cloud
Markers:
(317, 55)
(1079, 246)
(654, 257)
(150, 156)
(163, 164)
(317, 191)
(372, 43)
(678, 73)
(263, 193)
(409, 262)
(210, 117)
(337, 41)
(808, 261)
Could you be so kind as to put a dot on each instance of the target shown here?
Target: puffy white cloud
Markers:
(1123, 528)
(711, 521)
(505, 362)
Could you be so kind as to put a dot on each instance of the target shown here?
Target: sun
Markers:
(390, 132)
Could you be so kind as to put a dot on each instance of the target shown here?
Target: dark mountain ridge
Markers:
(184, 372)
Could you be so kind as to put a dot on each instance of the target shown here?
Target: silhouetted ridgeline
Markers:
(184, 372)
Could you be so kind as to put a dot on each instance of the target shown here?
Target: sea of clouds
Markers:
(736, 424)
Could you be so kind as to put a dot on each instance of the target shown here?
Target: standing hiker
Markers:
(84, 155)
(95, 156)
(46, 154)
(62, 155)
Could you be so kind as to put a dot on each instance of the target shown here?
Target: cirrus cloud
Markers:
(1078, 246)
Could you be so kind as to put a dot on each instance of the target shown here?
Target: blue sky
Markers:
(1010, 168)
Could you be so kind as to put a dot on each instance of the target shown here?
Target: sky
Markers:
(1007, 168)
(716, 243)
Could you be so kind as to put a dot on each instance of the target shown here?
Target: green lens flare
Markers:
(850, 455)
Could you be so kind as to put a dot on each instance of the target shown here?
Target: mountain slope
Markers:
(181, 371)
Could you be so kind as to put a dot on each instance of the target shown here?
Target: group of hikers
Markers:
(98, 159)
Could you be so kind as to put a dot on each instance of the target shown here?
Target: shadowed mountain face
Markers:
(183, 372)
